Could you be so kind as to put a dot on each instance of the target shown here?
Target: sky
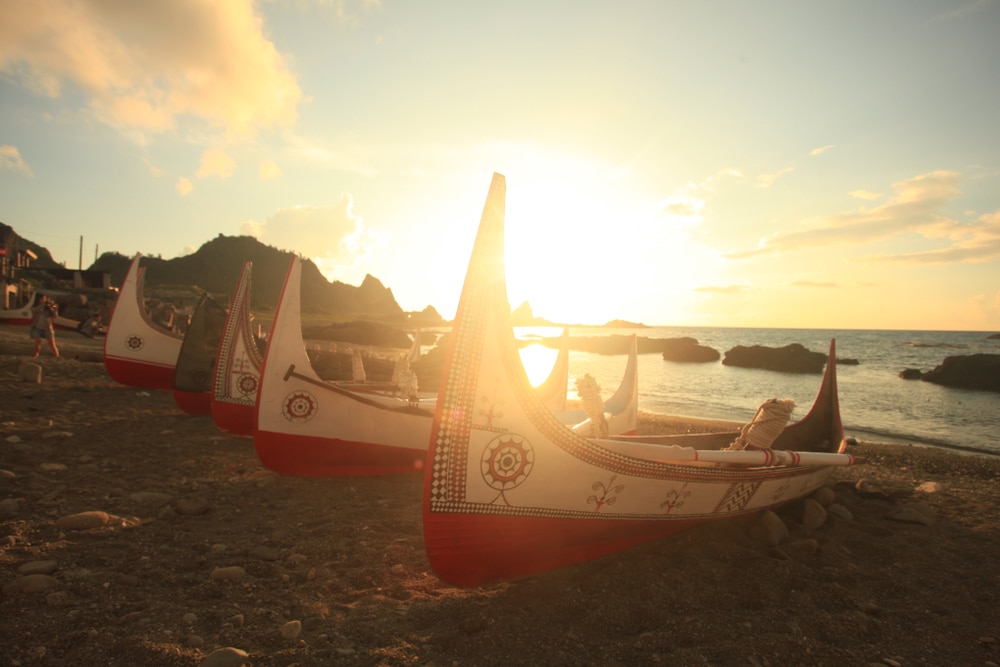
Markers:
(765, 164)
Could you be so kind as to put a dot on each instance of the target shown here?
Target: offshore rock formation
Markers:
(972, 371)
(792, 358)
(688, 350)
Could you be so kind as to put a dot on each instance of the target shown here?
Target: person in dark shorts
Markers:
(43, 324)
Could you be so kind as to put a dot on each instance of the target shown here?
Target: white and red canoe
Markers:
(196, 359)
(138, 352)
(19, 316)
(510, 491)
(310, 427)
(25, 314)
(237, 366)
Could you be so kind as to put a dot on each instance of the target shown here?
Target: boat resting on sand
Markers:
(23, 316)
(138, 352)
(196, 359)
(306, 426)
(237, 367)
(509, 491)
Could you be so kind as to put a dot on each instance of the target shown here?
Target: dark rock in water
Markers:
(678, 349)
(847, 362)
(792, 358)
(995, 336)
(972, 371)
(910, 374)
(688, 350)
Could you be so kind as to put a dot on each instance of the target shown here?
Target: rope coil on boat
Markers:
(590, 395)
(770, 420)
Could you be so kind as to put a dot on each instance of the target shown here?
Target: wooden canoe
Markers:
(510, 491)
(138, 352)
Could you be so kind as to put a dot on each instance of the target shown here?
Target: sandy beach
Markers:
(132, 533)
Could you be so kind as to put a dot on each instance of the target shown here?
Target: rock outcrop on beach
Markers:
(688, 350)
(972, 371)
(793, 358)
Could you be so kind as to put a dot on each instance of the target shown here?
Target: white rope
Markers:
(590, 395)
(766, 426)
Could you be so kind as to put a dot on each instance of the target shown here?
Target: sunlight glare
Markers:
(588, 251)
(538, 361)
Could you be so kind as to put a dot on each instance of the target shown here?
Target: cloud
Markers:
(144, 66)
(820, 150)
(184, 187)
(332, 236)
(864, 194)
(767, 180)
(723, 289)
(269, 170)
(215, 162)
(10, 158)
(975, 243)
(917, 208)
(812, 283)
(684, 210)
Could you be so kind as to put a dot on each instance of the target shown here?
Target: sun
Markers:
(590, 250)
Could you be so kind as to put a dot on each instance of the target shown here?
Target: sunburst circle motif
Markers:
(299, 406)
(247, 384)
(134, 342)
(507, 461)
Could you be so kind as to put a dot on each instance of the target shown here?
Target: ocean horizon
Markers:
(876, 404)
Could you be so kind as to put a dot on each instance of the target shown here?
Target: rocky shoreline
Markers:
(133, 533)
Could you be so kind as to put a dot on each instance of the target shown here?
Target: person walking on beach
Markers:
(43, 325)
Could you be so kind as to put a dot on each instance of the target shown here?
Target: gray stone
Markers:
(773, 529)
(930, 487)
(291, 629)
(31, 583)
(913, 513)
(228, 573)
(38, 567)
(226, 657)
(9, 507)
(265, 553)
(84, 520)
(192, 506)
(824, 495)
(813, 514)
(839, 511)
(30, 372)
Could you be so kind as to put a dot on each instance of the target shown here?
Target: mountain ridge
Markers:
(215, 268)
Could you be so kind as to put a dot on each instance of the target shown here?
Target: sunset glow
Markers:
(770, 165)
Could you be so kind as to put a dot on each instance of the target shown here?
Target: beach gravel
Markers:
(902, 570)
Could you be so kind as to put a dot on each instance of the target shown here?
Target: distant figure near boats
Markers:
(43, 324)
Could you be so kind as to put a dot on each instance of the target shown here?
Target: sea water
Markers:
(875, 403)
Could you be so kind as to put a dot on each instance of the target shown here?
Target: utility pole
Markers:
(79, 261)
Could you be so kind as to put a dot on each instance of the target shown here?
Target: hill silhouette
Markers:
(216, 265)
